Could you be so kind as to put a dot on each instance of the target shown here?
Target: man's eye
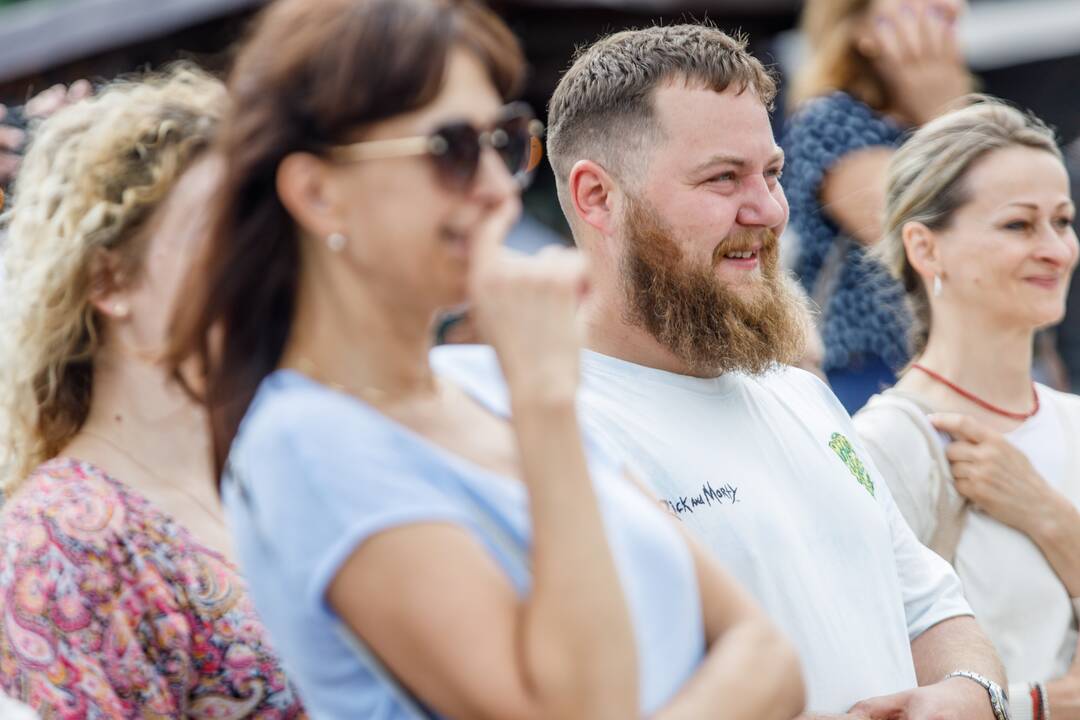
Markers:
(723, 177)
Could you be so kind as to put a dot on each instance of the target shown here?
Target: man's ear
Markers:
(109, 284)
(305, 186)
(594, 196)
(921, 248)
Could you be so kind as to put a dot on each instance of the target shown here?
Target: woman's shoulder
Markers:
(1063, 401)
(293, 415)
(896, 430)
(84, 564)
(298, 428)
(893, 412)
(839, 117)
(73, 500)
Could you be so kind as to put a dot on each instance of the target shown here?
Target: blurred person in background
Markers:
(877, 68)
(14, 121)
(116, 589)
(983, 462)
(12, 138)
(414, 549)
(689, 323)
(1067, 334)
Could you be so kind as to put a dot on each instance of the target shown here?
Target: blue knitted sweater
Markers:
(866, 314)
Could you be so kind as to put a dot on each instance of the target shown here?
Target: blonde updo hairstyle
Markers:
(92, 178)
(926, 182)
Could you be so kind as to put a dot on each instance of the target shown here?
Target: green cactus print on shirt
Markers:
(842, 447)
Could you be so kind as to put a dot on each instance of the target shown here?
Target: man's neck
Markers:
(608, 331)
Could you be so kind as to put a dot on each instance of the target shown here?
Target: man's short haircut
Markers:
(603, 110)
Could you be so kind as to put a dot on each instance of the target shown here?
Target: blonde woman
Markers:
(117, 596)
(983, 462)
(877, 69)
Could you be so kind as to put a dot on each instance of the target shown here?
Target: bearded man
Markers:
(668, 172)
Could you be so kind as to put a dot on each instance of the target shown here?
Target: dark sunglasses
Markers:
(456, 148)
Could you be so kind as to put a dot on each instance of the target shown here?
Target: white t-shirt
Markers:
(753, 466)
(1018, 599)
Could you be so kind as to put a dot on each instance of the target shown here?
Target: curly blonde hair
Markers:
(92, 178)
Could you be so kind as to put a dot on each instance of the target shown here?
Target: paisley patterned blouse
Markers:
(110, 609)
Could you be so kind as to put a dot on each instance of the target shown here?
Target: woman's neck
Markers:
(146, 432)
(368, 344)
(139, 408)
(993, 363)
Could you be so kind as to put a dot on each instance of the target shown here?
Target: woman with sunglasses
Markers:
(413, 551)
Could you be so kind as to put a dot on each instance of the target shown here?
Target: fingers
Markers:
(49, 101)
(487, 243)
(932, 30)
(917, 31)
(965, 471)
(962, 451)
(9, 165)
(961, 427)
(888, 707)
(11, 138)
(560, 267)
(941, 31)
(574, 266)
(46, 102)
(887, 41)
(79, 90)
(910, 33)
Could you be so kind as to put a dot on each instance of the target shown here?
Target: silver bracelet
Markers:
(999, 701)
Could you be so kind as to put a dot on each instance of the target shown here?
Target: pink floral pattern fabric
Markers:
(110, 609)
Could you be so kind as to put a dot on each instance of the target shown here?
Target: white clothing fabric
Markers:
(14, 710)
(753, 466)
(1018, 599)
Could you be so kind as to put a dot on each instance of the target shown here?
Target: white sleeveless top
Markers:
(1018, 599)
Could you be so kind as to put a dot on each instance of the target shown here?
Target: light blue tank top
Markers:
(313, 473)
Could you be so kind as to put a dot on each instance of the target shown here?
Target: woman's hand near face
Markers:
(916, 51)
(576, 651)
(526, 307)
(999, 479)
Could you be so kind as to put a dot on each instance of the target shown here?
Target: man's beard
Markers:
(710, 327)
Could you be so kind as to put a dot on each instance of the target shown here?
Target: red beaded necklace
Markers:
(978, 400)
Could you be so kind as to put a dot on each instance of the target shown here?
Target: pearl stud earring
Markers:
(336, 242)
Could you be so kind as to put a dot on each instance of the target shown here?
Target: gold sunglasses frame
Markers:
(434, 144)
